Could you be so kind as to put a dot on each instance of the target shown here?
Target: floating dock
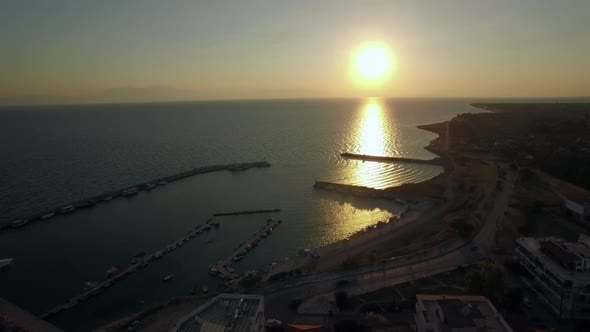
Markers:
(138, 263)
(222, 268)
(436, 161)
(246, 212)
(127, 192)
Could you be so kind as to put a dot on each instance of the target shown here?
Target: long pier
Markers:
(128, 191)
(138, 263)
(235, 213)
(435, 161)
(221, 267)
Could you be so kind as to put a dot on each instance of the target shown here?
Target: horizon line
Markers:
(278, 99)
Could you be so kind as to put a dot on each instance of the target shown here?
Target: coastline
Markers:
(399, 235)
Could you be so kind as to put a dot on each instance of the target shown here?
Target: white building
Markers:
(560, 272)
(226, 312)
(579, 209)
(454, 313)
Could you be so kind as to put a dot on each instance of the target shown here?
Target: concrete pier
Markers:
(220, 268)
(435, 161)
(128, 191)
(122, 273)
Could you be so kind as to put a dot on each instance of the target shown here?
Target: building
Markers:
(560, 272)
(13, 318)
(226, 312)
(455, 313)
(578, 208)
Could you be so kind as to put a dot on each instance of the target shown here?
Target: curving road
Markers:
(393, 271)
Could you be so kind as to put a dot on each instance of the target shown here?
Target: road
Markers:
(393, 271)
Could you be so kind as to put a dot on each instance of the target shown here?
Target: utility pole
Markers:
(497, 235)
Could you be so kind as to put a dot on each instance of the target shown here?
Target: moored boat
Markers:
(112, 270)
(6, 263)
(19, 223)
(47, 215)
(130, 191)
(67, 209)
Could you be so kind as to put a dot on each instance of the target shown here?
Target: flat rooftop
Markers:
(462, 312)
(237, 311)
(533, 245)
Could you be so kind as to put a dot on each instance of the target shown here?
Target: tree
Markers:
(341, 299)
(464, 228)
(513, 298)
(487, 279)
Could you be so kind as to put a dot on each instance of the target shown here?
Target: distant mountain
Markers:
(128, 94)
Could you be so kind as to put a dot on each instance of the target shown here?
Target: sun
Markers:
(372, 63)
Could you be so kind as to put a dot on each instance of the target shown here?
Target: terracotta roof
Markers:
(296, 327)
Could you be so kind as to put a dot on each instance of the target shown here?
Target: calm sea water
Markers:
(57, 154)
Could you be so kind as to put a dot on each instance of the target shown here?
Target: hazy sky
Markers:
(235, 49)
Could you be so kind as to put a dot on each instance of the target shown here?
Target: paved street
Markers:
(394, 271)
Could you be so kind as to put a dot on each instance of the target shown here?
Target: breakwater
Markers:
(139, 262)
(435, 161)
(223, 267)
(128, 191)
(235, 213)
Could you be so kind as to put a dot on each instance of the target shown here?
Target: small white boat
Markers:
(205, 289)
(130, 191)
(162, 183)
(90, 284)
(112, 270)
(5, 263)
(150, 186)
(48, 215)
(67, 209)
(168, 278)
(19, 223)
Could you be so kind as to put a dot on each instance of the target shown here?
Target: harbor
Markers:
(223, 267)
(140, 261)
(436, 161)
(128, 192)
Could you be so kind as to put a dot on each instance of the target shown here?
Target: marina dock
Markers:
(246, 212)
(138, 263)
(222, 268)
(128, 191)
(435, 161)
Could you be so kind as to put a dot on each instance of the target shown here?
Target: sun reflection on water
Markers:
(372, 129)
(372, 140)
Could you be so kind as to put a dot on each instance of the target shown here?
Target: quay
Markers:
(435, 161)
(246, 212)
(128, 191)
(138, 263)
(222, 267)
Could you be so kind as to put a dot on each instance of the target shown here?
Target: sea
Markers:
(53, 155)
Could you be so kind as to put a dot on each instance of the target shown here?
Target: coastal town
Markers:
(497, 242)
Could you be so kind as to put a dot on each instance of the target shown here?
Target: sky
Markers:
(274, 49)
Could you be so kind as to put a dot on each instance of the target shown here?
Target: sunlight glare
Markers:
(372, 64)
(372, 129)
